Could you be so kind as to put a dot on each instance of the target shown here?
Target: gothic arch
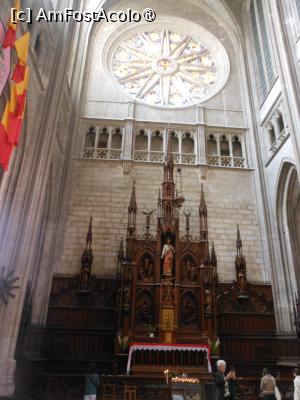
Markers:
(145, 265)
(189, 309)
(145, 308)
(288, 222)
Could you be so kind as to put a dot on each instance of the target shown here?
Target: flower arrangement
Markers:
(123, 342)
(214, 346)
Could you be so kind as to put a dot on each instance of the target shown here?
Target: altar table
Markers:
(168, 347)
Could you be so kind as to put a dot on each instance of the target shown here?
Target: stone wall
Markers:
(101, 190)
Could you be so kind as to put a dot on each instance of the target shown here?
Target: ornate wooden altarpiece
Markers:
(166, 293)
(168, 282)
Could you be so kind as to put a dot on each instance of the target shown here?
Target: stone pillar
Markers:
(231, 150)
(180, 145)
(149, 137)
(22, 206)
(127, 147)
(201, 150)
(128, 141)
(218, 149)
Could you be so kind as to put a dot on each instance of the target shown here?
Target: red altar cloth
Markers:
(169, 347)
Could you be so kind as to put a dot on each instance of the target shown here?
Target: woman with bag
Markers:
(91, 383)
(268, 385)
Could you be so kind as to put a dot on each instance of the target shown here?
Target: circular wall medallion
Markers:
(167, 67)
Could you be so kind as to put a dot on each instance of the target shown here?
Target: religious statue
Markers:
(126, 294)
(168, 257)
(208, 305)
(189, 271)
(141, 273)
(189, 313)
(194, 273)
(84, 278)
(242, 279)
(85, 273)
(145, 313)
(145, 271)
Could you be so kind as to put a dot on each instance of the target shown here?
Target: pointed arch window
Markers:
(116, 139)
(90, 137)
(263, 51)
(225, 150)
(298, 7)
(141, 140)
(175, 142)
(212, 147)
(224, 146)
(188, 146)
(150, 145)
(157, 141)
(103, 142)
(236, 147)
(103, 138)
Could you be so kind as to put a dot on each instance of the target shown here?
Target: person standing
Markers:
(297, 384)
(91, 383)
(220, 379)
(232, 383)
(267, 385)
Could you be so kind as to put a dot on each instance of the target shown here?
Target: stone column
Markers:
(127, 147)
(127, 154)
(23, 205)
(201, 150)
(149, 137)
(231, 150)
(180, 145)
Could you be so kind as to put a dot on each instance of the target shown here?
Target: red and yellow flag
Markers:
(6, 149)
(10, 36)
(22, 46)
(12, 119)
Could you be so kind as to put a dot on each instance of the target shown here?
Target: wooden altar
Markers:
(167, 291)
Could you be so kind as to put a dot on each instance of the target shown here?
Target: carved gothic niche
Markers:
(189, 311)
(208, 293)
(127, 293)
(144, 308)
(103, 293)
(188, 269)
(64, 290)
(145, 267)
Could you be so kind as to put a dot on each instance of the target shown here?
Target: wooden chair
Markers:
(130, 393)
(108, 391)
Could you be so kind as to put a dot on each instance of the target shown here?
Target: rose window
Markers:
(168, 68)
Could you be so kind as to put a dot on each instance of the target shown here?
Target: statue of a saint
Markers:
(242, 279)
(85, 273)
(242, 282)
(208, 305)
(168, 257)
